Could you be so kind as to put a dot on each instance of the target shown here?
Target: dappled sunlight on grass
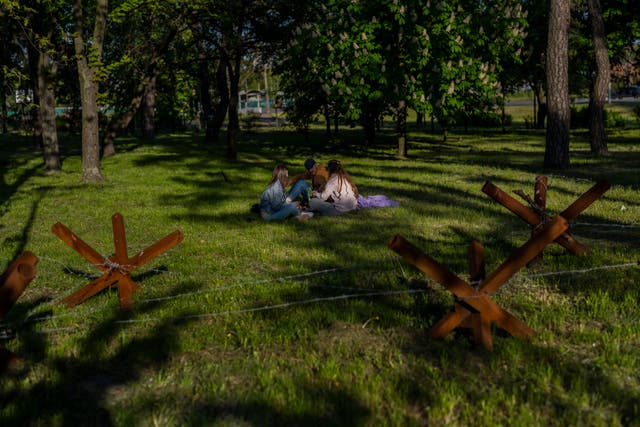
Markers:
(318, 322)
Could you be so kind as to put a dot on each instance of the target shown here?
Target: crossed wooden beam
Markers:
(13, 282)
(474, 306)
(116, 268)
(535, 214)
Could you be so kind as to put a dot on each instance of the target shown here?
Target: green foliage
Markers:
(580, 119)
(436, 59)
(249, 121)
(482, 119)
(613, 119)
(311, 323)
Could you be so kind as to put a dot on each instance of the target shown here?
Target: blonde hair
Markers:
(280, 173)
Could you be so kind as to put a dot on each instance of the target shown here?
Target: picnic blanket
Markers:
(376, 201)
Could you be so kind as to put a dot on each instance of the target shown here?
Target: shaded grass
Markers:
(292, 323)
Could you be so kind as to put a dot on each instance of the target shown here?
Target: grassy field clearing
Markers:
(318, 322)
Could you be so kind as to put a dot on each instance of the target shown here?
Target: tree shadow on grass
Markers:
(82, 384)
(21, 239)
(338, 409)
(534, 376)
(592, 228)
(8, 190)
(80, 380)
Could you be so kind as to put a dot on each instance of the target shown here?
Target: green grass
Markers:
(318, 322)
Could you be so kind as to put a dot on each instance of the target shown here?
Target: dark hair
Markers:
(308, 164)
(335, 167)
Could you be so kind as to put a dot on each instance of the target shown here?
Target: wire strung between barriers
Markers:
(29, 319)
(586, 270)
(6, 331)
(591, 224)
(249, 310)
(242, 284)
(273, 307)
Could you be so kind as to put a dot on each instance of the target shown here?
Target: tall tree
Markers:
(241, 28)
(88, 59)
(148, 110)
(139, 48)
(532, 68)
(46, 35)
(600, 87)
(226, 28)
(41, 42)
(556, 154)
(11, 71)
(220, 104)
(47, 113)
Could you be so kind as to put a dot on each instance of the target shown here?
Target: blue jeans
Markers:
(300, 188)
(323, 207)
(287, 210)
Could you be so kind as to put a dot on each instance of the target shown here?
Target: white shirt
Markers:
(344, 199)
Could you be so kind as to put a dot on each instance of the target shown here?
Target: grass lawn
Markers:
(247, 323)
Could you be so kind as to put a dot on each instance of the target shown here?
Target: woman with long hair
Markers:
(274, 203)
(340, 194)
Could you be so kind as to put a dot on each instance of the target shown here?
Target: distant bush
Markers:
(482, 119)
(249, 121)
(580, 119)
(613, 120)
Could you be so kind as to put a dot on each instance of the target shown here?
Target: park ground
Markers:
(246, 323)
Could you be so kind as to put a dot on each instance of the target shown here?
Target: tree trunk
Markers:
(205, 97)
(598, 138)
(503, 114)
(120, 122)
(233, 128)
(541, 114)
(91, 171)
(401, 129)
(3, 88)
(369, 124)
(34, 70)
(221, 106)
(3, 108)
(267, 97)
(327, 121)
(88, 79)
(556, 154)
(47, 113)
(148, 110)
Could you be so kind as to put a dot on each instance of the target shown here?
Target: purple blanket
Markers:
(377, 201)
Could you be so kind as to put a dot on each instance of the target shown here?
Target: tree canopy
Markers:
(367, 58)
(131, 62)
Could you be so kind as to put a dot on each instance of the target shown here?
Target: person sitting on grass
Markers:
(339, 195)
(316, 173)
(274, 203)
